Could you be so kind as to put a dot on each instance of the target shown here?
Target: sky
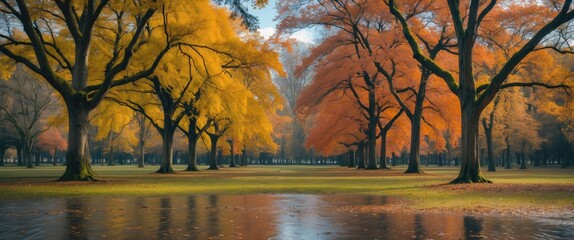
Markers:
(267, 25)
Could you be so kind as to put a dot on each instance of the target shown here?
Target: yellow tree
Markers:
(56, 40)
(116, 127)
(467, 18)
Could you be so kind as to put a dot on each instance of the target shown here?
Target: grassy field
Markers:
(535, 189)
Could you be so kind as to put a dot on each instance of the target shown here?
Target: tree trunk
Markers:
(38, 159)
(20, 157)
(192, 152)
(213, 152)
(232, 159)
(383, 159)
(372, 132)
(27, 151)
(351, 162)
(2, 152)
(77, 157)
(141, 159)
(414, 155)
(361, 156)
(508, 155)
(167, 151)
(523, 156)
(111, 160)
(244, 157)
(470, 166)
(490, 154)
(54, 156)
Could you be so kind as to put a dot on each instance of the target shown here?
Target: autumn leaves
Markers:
(179, 64)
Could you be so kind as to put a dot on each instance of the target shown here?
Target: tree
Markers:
(52, 141)
(467, 19)
(115, 127)
(371, 41)
(488, 126)
(31, 100)
(219, 127)
(290, 87)
(55, 41)
(143, 135)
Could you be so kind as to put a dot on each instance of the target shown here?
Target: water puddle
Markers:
(285, 216)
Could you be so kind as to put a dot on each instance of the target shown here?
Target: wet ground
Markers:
(286, 216)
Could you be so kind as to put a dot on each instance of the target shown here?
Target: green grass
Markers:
(532, 188)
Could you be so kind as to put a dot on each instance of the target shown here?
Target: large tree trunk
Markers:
(192, 150)
(77, 157)
(383, 159)
(414, 155)
(213, 152)
(470, 166)
(167, 147)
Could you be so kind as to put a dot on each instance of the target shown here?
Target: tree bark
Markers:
(20, 157)
(37, 159)
(213, 152)
(414, 155)
(488, 135)
(2, 152)
(351, 162)
(77, 157)
(141, 159)
(383, 159)
(361, 156)
(372, 131)
(27, 151)
(192, 154)
(508, 155)
(167, 151)
(54, 156)
(232, 159)
(470, 166)
(243, 157)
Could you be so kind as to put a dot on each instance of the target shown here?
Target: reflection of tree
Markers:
(75, 219)
(191, 213)
(472, 227)
(164, 218)
(213, 219)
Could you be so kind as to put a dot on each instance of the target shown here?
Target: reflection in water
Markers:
(75, 212)
(164, 218)
(253, 217)
(472, 227)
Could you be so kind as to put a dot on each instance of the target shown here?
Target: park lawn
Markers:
(533, 190)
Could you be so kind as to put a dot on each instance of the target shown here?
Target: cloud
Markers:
(304, 35)
(266, 32)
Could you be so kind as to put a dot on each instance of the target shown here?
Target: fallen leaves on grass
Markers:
(504, 187)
